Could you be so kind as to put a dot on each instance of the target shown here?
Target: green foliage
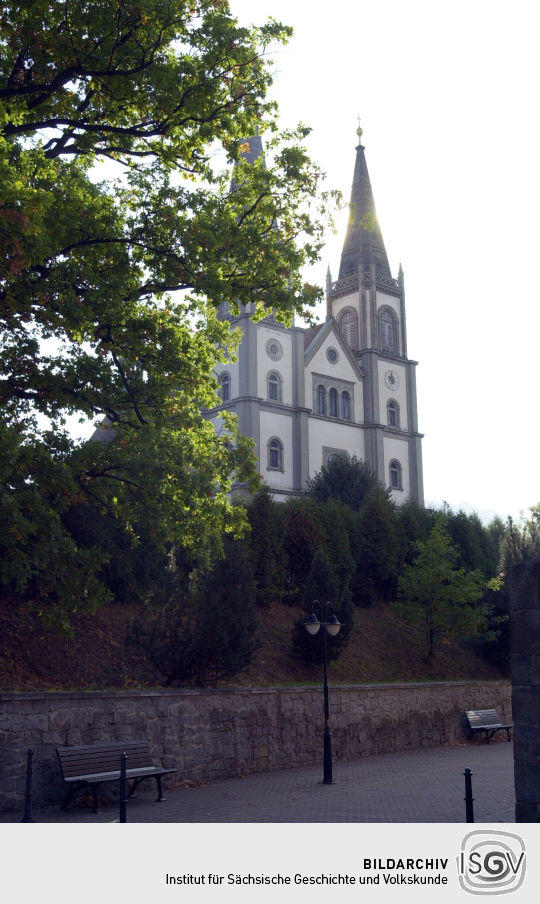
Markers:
(437, 594)
(201, 627)
(110, 275)
(477, 547)
(323, 584)
(520, 542)
(347, 479)
(266, 547)
(376, 550)
(303, 534)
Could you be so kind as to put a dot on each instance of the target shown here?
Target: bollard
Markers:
(123, 787)
(28, 794)
(469, 811)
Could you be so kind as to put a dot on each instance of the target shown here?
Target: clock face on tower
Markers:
(391, 379)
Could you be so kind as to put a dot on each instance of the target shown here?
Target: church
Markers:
(344, 386)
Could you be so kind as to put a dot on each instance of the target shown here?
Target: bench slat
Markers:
(84, 758)
(112, 776)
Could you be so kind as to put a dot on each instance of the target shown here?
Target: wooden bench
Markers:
(91, 765)
(488, 721)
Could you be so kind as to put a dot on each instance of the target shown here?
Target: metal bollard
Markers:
(469, 811)
(28, 794)
(123, 787)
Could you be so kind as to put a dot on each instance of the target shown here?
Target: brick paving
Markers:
(425, 785)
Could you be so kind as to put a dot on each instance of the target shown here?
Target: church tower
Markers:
(369, 307)
(343, 386)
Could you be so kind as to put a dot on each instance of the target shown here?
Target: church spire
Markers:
(363, 244)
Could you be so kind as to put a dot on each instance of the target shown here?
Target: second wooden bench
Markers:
(488, 721)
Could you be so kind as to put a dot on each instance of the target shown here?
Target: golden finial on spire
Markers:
(359, 130)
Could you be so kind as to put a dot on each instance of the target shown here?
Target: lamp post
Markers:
(312, 624)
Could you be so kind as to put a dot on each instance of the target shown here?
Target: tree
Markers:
(434, 593)
(375, 549)
(201, 627)
(323, 584)
(109, 283)
(303, 534)
(520, 542)
(347, 479)
(266, 547)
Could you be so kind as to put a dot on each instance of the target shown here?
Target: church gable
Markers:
(328, 352)
(333, 378)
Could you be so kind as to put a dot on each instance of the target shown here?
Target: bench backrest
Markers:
(90, 759)
(479, 717)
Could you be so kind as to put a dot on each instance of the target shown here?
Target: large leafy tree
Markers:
(119, 236)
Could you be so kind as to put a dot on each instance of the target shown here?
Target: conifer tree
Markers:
(322, 584)
(436, 594)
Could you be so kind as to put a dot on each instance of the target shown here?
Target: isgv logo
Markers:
(491, 863)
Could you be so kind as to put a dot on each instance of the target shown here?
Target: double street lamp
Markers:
(329, 621)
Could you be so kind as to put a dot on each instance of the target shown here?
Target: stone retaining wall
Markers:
(210, 734)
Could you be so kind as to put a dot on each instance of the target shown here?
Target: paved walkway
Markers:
(424, 785)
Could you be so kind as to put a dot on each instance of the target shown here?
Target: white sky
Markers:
(448, 97)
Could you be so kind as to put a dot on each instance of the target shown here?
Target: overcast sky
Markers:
(448, 98)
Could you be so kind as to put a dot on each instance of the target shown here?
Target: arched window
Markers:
(274, 386)
(333, 403)
(225, 387)
(275, 454)
(388, 331)
(321, 400)
(393, 413)
(223, 310)
(345, 405)
(395, 475)
(348, 322)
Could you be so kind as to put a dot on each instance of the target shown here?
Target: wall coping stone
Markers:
(237, 691)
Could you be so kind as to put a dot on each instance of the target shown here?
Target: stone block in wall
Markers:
(527, 743)
(527, 781)
(525, 633)
(527, 812)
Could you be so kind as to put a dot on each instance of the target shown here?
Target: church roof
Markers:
(363, 243)
(310, 334)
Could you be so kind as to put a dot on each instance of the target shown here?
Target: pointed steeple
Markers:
(251, 149)
(363, 244)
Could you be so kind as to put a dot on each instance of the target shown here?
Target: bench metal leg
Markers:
(68, 797)
(134, 784)
(158, 780)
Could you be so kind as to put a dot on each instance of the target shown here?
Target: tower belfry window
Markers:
(388, 332)
(348, 323)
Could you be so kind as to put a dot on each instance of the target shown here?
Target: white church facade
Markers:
(346, 385)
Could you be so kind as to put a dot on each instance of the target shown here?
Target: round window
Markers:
(332, 355)
(274, 349)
